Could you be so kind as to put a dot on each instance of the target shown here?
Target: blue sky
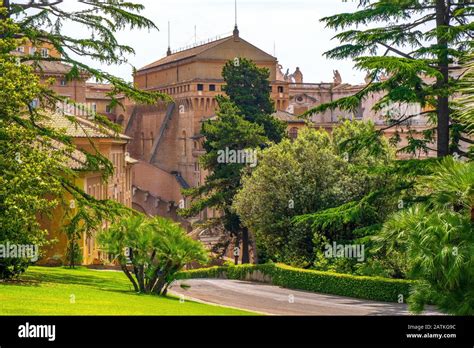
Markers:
(291, 28)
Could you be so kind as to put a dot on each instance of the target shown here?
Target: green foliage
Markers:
(153, 250)
(26, 163)
(248, 87)
(34, 156)
(370, 288)
(245, 122)
(436, 240)
(96, 292)
(464, 110)
(311, 174)
(74, 254)
(100, 21)
(230, 131)
(364, 218)
(407, 48)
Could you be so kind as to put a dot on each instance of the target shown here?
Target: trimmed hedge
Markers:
(369, 288)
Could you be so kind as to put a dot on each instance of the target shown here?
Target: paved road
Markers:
(274, 300)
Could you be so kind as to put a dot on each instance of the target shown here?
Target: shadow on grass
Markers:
(20, 282)
(100, 280)
(96, 279)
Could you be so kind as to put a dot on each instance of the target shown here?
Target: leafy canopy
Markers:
(410, 50)
(35, 155)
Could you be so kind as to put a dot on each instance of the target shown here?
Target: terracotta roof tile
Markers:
(83, 128)
(47, 67)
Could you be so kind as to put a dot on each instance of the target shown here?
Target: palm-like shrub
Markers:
(465, 109)
(437, 239)
(151, 251)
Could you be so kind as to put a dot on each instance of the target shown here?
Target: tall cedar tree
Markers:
(230, 131)
(42, 23)
(245, 122)
(247, 86)
(422, 42)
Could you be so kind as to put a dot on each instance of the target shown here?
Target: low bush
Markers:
(370, 288)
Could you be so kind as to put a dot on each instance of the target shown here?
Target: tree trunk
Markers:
(245, 246)
(442, 20)
(254, 248)
(152, 282)
(6, 4)
(140, 278)
(129, 276)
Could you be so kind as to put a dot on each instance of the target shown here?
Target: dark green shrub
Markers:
(370, 288)
(12, 268)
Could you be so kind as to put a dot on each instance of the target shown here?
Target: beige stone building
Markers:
(166, 139)
(87, 136)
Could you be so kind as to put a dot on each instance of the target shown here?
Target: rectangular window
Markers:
(21, 49)
(212, 88)
(200, 87)
(280, 89)
(44, 53)
(63, 83)
(108, 109)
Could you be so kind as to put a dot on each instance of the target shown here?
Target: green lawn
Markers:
(61, 291)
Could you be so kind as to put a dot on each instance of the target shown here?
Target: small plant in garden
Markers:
(151, 251)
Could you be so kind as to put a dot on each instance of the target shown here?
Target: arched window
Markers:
(293, 133)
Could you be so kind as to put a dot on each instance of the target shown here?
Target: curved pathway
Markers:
(274, 300)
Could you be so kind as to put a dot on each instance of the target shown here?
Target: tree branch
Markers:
(406, 119)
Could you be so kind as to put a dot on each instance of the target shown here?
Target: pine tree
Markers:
(245, 122)
(46, 172)
(416, 45)
(230, 132)
(248, 87)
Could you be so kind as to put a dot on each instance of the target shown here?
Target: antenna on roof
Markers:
(236, 28)
(168, 53)
(236, 13)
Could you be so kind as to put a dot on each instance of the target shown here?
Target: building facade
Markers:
(88, 137)
(166, 140)
(86, 100)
